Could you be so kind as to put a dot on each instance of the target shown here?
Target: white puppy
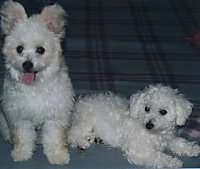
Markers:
(37, 90)
(143, 133)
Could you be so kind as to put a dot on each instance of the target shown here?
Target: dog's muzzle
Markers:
(27, 66)
(29, 74)
(149, 125)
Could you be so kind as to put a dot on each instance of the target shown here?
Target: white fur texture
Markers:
(48, 101)
(108, 117)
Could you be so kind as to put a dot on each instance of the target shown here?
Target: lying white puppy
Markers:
(143, 132)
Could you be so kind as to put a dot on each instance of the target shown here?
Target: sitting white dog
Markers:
(144, 132)
(37, 90)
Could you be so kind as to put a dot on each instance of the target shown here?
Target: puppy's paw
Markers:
(21, 154)
(84, 143)
(168, 162)
(175, 163)
(195, 151)
(58, 156)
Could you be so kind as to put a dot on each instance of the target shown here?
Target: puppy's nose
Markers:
(149, 125)
(27, 66)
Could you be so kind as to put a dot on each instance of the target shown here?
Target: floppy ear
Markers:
(54, 18)
(135, 104)
(11, 13)
(183, 109)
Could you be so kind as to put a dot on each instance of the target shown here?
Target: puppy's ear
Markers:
(54, 18)
(11, 13)
(135, 104)
(183, 109)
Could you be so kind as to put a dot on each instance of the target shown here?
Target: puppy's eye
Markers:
(147, 109)
(163, 112)
(19, 49)
(40, 50)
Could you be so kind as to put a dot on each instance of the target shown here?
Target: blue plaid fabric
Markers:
(125, 45)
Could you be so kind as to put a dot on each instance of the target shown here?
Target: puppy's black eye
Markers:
(40, 50)
(19, 49)
(163, 112)
(147, 109)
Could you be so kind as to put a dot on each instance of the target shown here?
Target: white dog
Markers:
(144, 132)
(37, 90)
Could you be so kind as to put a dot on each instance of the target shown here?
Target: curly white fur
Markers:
(143, 132)
(48, 101)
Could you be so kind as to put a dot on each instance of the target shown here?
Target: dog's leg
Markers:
(54, 143)
(153, 159)
(181, 146)
(81, 135)
(162, 160)
(4, 129)
(24, 140)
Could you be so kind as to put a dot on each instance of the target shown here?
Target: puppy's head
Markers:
(32, 45)
(160, 108)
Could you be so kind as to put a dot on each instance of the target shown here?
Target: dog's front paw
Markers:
(195, 150)
(84, 143)
(21, 154)
(58, 156)
(175, 163)
(168, 162)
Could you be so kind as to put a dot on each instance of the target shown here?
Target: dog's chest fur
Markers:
(38, 102)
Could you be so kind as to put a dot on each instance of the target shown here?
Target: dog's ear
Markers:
(183, 109)
(54, 17)
(11, 13)
(135, 104)
(137, 101)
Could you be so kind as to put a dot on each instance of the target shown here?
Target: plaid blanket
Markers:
(125, 45)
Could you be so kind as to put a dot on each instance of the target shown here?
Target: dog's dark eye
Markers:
(19, 49)
(40, 50)
(163, 112)
(147, 109)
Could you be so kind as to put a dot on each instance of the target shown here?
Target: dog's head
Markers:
(32, 44)
(160, 108)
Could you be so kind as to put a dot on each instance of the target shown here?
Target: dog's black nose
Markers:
(149, 125)
(27, 66)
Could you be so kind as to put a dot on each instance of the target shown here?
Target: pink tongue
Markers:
(28, 78)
